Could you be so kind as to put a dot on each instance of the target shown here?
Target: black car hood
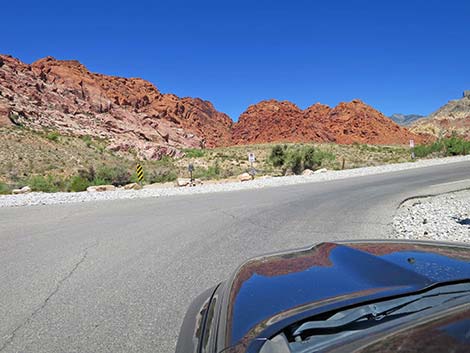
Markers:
(270, 289)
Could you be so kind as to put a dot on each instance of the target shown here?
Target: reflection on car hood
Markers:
(271, 288)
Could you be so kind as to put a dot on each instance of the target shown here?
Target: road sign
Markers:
(251, 157)
(190, 169)
(140, 172)
(412, 143)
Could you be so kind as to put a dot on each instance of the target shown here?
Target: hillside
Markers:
(129, 112)
(134, 117)
(452, 118)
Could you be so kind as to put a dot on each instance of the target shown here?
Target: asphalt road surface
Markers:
(117, 276)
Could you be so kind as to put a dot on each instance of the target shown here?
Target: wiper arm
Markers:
(378, 311)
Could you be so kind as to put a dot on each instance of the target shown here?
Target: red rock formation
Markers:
(273, 121)
(130, 112)
(134, 115)
(358, 122)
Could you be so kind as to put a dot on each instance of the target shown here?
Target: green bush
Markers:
(53, 136)
(211, 172)
(4, 189)
(425, 150)
(193, 152)
(294, 160)
(452, 146)
(455, 146)
(161, 175)
(46, 183)
(78, 183)
(87, 139)
(277, 156)
(297, 158)
(320, 156)
(112, 175)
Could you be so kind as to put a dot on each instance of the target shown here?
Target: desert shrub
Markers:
(452, 146)
(297, 158)
(425, 150)
(455, 146)
(320, 157)
(193, 152)
(112, 175)
(87, 139)
(160, 175)
(78, 183)
(294, 160)
(53, 136)
(212, 172)
(87, 174)
(4, 189)
(46, 183)
(277, 156)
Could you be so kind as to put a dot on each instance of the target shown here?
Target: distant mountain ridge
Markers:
(452, 118)
(405, 119)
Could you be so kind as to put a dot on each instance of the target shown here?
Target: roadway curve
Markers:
(117, 276)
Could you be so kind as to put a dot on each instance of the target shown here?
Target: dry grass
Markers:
(25, 154)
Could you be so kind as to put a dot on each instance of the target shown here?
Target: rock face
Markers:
(358, 122)
(130, 112)
(405, 119)
(454, 117)
(133, 115)
(274, 121)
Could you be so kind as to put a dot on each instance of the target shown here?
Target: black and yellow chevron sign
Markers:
(140, 172)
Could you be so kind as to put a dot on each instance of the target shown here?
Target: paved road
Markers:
(117, 276)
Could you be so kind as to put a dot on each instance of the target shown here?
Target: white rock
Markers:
(308, 172)
(169, 184)
(244, 177)
(23, 190)
(132, 186)
(322, 170)
(182, 182)
(101, 188)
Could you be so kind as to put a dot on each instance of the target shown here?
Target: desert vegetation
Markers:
(50, 162)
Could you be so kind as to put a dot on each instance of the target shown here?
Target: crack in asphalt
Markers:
(246, 219)
(45, 302)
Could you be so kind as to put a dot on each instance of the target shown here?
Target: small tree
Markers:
(277, 156)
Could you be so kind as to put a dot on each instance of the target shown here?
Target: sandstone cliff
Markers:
(130, 112)
(274, 121)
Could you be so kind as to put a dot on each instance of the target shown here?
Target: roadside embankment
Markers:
(443, 217)
(36, 198)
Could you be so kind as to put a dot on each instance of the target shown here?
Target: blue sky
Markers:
(399, 56)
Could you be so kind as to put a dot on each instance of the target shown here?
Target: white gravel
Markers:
(37, 198)
(435, 218)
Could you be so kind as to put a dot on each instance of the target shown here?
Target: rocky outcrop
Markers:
(358, 122)
(129, 112)
(133, 115)
(452, 118)
(405, 119)
(274, 121)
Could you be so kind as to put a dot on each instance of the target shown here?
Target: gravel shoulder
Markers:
(443, 217)
(36, 198)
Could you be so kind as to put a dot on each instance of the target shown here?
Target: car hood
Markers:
(267, 292)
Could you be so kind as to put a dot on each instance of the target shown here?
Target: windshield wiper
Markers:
(377, 311)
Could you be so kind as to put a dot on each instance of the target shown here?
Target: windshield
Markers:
(318, 333)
